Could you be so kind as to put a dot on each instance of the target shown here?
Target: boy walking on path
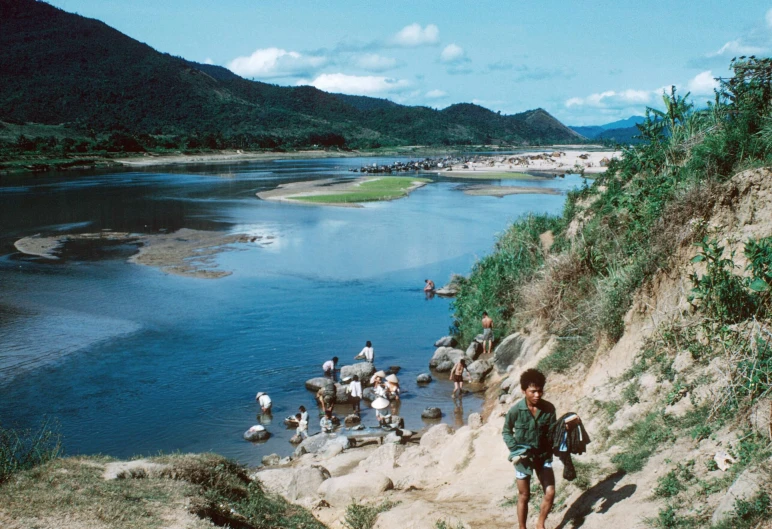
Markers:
(487, 324)
(527, 433)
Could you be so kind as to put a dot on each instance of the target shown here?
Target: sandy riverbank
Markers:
(502, 191)
(550, 161)
(185, 252)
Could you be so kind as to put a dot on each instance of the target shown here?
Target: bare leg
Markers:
(523, 496)
(547, 480)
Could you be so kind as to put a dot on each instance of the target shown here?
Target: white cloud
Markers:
(415, 35)
(436, 94)
(769, 18)
(734, 48)
(357, 84)
(208, 61)
(275, 62)
(375, 63)
(453, 54)
(702, 84)
(612, 99)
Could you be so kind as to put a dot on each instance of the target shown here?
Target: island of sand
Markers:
(346, 193)
(185, 252)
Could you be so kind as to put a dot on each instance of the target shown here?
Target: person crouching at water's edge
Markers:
(329, 367)
(527, 434)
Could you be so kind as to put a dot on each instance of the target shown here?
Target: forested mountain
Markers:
(61, 68)
(622, 131)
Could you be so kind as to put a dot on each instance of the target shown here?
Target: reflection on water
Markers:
(131, 360)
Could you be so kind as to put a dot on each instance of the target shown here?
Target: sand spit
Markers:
(226, 157)
(552, 162)
(330, 186)
(185, 252)
(482, 190)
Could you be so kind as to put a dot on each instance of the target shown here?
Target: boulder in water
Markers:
(364, 370)
(369, 394)
(352, 420)
(479, 369)
(444, 367)
(314, 384)
(257, 433)
(446, 354)
(423, 378)
(446, 341)
(431, 413)
(271, 460)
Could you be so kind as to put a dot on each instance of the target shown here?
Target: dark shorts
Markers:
(457, 378)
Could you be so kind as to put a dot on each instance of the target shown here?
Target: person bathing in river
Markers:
(355, 390)
(302, 429)
(457, 376)
(487, 324)
(326, 423)
(303, 413)
(327, 396)
(392, 387)
(526, 432)
(265, 401)
(367, 353)
(329, 367)
(429, 285)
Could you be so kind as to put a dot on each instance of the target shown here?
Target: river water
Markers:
(129, 360)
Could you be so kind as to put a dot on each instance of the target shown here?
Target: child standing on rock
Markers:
(355, 390)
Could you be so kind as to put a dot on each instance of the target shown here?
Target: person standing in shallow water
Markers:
(457, 376)
(527, 428)
(367, 353)
(487, 324)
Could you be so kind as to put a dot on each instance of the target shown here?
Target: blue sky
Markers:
(587, 63)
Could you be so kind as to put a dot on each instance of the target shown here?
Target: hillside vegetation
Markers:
(90, 88)
(657, 297)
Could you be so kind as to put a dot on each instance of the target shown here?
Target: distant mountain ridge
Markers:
(62, 68)
(622, 131)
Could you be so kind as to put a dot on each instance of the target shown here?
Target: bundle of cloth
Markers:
(569, 437)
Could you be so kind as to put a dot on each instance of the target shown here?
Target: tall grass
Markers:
(24, 449)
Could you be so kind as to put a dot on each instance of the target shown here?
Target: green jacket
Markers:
(522, 429)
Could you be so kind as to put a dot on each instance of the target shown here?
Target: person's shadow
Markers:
(604, 490)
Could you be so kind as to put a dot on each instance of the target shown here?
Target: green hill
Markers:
(65, 70)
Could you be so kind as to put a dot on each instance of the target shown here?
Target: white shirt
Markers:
(264, 401)
(329, 365)
(302, 426)
(355, 388)
(367, 353)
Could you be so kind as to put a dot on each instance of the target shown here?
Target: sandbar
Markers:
(551, 161)
(502, 191)
(296, 192)
(184, 252)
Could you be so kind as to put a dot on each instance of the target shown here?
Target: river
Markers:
(129, 360)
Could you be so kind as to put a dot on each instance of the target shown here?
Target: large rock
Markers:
(352, 419)
(431, 413)
(444, 354)
(424, 378)
(257, 433)
(382, 459)
(369, 394)
(446, 341)
(306, 481)
(320, 442)
(474, 350)
(747, 485)
(445, 366)
(341, 396)
(364, 370)
(417, 514)
(359, 486)
(275, 479)
(448, 291)
(436, 437)
(507, 352)
(314, 384)
(271, 460)
(479, 369)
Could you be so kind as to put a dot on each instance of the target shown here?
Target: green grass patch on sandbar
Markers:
(381, 188)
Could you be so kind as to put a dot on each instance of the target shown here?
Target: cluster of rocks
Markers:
(446, 356)
(427, 164)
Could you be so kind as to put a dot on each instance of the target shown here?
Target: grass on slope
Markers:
(191, 491)
(382, 188)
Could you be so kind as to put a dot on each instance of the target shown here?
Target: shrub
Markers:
(360, 516)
